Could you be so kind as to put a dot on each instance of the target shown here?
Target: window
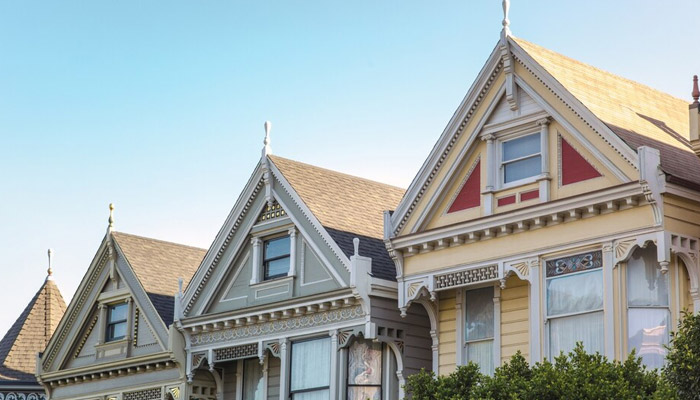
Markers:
(365, 371)
(311, 370)
(116, 322)
(479, 328)
(252, 379)
(276, 257)
(648, 311)
(575, 303)
(521, 158)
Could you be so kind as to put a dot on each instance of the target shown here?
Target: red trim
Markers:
(532, 194)
(470, 194)
(574, 168)
(504, 201)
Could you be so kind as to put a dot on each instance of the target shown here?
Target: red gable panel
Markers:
(574, 168)
(470, 194)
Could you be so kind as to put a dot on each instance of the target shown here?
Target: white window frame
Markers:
(258, 242)
(462, 355)
(502, 164)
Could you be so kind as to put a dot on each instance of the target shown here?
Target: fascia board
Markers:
(618, 144)
(439, 148)
(220, 238)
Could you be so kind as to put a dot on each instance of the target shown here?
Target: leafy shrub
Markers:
(682, 370)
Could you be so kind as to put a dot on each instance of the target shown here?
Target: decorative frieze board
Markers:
(236, 352)
(523, 220)
(147, 394)
(278, 323)
(110, 373)
(466, 277)
(21, 396)
(267, 315)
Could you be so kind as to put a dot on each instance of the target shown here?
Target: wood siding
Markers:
(515, 321)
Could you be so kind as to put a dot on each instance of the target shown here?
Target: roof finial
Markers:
(267, 149)
(696, 91)
(49, 275)
(111, 217)
(506, 21)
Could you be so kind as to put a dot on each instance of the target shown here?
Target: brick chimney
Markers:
(694, 111)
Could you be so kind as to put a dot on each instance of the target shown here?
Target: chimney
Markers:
(694, 111)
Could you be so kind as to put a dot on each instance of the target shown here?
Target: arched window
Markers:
(648, 313)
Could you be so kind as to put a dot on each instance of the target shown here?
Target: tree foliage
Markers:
(682, 371)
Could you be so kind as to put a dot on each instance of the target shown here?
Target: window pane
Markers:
(277, 247)
(646, 285)
(252, 379)
(364, 393)
(117, 331)
(117, 312)
(522, 169)
(479, 314)
(565, 332)
(324, 394)
(365, 363)
(481, 353)
(648, 333)
(277, 267)
(575, 293)
(311, 364)
(521, 147)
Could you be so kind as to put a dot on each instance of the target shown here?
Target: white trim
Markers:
(535, 318)
(496, 327)
(608, 300)
(233, 280)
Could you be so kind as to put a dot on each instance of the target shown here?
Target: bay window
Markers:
(574, 291)
(365, 370)
(648, 312)
(479, 329)
(311, 369)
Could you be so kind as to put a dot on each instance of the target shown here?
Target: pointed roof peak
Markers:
(506, 21)
(696, 91)
(267, 150)
(49, 271)
(30, 334)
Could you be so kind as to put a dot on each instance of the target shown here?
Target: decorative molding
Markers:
(574, 263)
(274, 348)
(175, 392)
(272, 211)
(85, 337)
(259, 329)
(148, 394)
(622, 248)
(236, 352)
(465, 277)
(109, 373)
(21, 396)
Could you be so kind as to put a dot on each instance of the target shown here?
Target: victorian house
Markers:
(559, 205)
(116, 340)
(25, 339)
(296, 298)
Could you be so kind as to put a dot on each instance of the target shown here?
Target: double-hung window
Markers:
(252, 379)
(276, 257)
(575, 303)
(648, 311)
(116, 322)
(365, 371)
(479, 328)
(521, 158)
(311, 370)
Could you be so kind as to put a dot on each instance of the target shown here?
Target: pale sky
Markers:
(159, 106)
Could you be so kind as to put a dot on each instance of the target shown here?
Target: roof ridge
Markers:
(637, 83)
(157, 240)
(272, 157)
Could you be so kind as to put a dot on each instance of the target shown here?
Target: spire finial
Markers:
(49, 271)
(267, 149)
(506, 21)
(111, 217)
(696, 91)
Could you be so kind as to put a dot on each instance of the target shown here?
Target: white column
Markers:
(491, 166)
(334, 363)
(544, 147)
(496, 326)
(102, 323)
(535, 316)
(284, 368)
(257, 260)
(436, 351)
(292, 251)
(342, 373)
(460, 357)
(239, 380)
(608, 301)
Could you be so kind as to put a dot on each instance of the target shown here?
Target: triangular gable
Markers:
(469, 195)
(481, 97)
(573, 167)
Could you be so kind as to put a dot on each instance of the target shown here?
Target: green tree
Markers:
(682, 370)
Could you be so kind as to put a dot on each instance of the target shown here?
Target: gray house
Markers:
(297, 297)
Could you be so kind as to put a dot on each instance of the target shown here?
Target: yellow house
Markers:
(560, 204)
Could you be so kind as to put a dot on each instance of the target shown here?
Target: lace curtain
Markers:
(252, 379)
(479, 328)
(311, 369)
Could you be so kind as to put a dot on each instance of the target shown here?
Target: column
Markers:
(544, 148)
(292, 251)
(608, 301)
(334, 363)
(257, 260)
(102, 323)
(491, 170)
(284, 368)
(535, 316)
(496, 326)
(460, 357)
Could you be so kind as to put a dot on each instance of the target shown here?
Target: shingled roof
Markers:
(29, 335)
(347, 206)
(638, 114)
(158, 265)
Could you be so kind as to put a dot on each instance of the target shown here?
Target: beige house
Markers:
(560, 204)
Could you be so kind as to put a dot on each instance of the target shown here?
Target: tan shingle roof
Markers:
(347, 206)
(158, 265)
(640, 115)
(29, 335)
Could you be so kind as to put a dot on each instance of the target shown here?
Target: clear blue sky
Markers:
(158, 106)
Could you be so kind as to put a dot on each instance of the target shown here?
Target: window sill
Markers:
(113, 349)
(281, 279)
